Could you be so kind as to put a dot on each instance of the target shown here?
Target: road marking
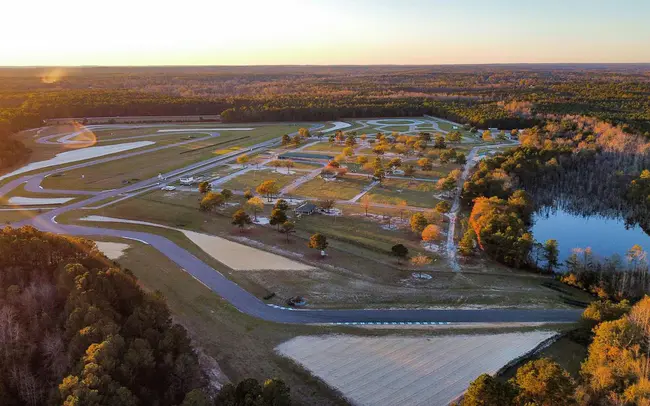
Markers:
(388, 323)
(137, 239)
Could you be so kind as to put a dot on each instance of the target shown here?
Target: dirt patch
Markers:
(241, 257)
(234, 255)
(112, 250)
(407, 370)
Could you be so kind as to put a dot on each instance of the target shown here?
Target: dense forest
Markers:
(505, 96)
(77, 330)
(615, 371)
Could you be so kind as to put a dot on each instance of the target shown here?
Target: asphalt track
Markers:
(233, 293)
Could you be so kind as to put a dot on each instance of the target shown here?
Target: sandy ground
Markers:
(242, 257)
(407, 371)
(112, 250)
(36, 201)
(338, 125)
(79, 155)
(237, 256)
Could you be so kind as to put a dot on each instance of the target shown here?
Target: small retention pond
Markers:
(605, 236)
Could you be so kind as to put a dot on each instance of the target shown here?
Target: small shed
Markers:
(307, 208)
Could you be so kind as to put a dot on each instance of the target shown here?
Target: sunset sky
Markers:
(251, 32)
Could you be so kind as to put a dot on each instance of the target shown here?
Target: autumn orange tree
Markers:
(500, 231)
(430, 233)
(268, 188)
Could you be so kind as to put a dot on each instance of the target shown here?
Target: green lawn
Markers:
(306, 165)
(393, 121)
(340, 189)
(326, 147)
(164, 139)
(359, 231)
(445, 126)
(398, 128)
(414, 193)
(252, 179)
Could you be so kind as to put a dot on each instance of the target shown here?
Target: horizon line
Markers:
(321, 65)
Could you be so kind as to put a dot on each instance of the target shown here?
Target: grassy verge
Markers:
(341, 189)
(253, 178)
(7, 217)
(404, 191)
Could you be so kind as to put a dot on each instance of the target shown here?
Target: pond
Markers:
(605, 236)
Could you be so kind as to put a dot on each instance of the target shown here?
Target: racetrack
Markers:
(234, 294)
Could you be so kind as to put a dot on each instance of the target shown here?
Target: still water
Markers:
(605, 236)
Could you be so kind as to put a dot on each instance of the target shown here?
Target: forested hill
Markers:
(76, 330)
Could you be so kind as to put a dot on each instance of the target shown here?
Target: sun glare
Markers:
(53, 75)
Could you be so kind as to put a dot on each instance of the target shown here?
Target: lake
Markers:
(605, 236)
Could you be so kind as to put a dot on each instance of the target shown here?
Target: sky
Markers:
(322, 32)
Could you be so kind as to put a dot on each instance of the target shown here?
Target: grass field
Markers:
(326, 147)
(253, 178)
(437, 172)
(359, 270)
(398, 128)
(17, 215)
(113, 174)
(412, 192)
(446, 126)
(394, 121)
(341, 189)
(306, 165)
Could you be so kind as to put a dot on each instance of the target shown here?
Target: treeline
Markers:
(284, 108)
(613, 278)
(484, 96)
(614, 373)
(37, 106)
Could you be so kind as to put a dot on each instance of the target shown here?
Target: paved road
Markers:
(243, 300)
